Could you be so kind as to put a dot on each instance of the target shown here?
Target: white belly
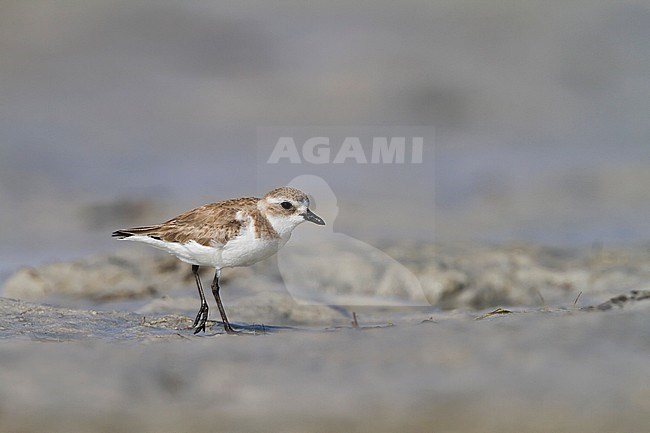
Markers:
(244, 250)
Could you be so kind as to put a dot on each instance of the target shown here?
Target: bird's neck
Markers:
(282, 226)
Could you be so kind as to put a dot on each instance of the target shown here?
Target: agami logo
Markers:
(322, 150)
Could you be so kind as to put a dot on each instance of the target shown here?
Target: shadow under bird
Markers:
(237, 232)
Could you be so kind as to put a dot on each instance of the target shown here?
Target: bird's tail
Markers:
(125, 233)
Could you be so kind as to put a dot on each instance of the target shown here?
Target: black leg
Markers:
(202, 315)
(215, 292)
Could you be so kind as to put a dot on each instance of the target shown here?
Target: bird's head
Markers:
(286, 207)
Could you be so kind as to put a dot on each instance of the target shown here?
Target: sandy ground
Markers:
(562, 366)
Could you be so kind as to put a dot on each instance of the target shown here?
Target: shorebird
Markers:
(237, 232)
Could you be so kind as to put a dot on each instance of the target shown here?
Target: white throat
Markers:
(284, 225)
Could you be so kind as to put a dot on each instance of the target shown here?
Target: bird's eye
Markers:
(286, 205)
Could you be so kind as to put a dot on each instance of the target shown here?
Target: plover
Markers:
(237, 232)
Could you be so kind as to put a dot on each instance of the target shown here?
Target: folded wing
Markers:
(207, 224)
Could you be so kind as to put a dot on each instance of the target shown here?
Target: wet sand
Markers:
(526, 366)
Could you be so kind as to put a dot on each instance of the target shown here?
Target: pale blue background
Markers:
(540, 110)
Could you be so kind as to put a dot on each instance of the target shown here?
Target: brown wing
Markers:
(207, 224)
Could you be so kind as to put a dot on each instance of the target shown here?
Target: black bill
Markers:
(312, 217)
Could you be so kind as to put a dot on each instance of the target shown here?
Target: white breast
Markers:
(246, 249)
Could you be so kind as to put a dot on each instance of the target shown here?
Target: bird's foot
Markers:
(229, 329)
(201, 318)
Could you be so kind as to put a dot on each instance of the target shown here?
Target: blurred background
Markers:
(119, 113)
